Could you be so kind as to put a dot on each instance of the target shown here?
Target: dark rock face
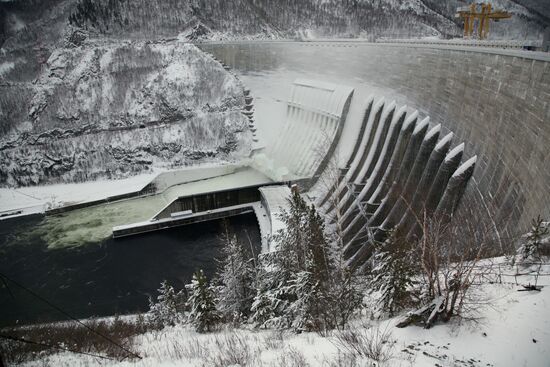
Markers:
(116, 109)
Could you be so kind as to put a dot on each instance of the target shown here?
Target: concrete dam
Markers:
(495, 102)
(436, 130)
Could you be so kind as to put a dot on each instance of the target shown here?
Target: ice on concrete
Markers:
(313, 119)
(275, 200)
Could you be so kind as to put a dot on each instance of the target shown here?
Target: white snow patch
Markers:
(53, 196)
(445, 140)
(454, 152)
(465, 166)
(106, 58)
(5, 67)
(178, 71)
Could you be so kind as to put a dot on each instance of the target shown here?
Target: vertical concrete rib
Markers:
(372, 123)
(373, 180)
(377, 144)
(370, 102)
(354, 240)
(391, 172)
(393, 168)
(401, 178)
(445, 171)
(334, 185)
(414, 210)
(454, 190)
(374, 152)
(405, 198)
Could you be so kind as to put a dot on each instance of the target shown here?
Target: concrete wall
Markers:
(498, 105)
(167, 179)
(315, 116)
(211, 200)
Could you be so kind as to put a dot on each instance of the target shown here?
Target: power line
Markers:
(69, 316)
(23, 340)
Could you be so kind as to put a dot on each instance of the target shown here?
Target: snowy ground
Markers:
(93, 224)
(39, 198)
(36, 199)
(513, 330)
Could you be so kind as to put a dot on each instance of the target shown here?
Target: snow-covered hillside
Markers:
(284, 18)
(511, 329)
(111, 109)
(237, 19)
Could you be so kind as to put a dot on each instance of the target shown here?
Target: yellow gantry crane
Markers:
(484, 14)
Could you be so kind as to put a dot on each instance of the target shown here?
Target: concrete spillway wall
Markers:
(498, 105)
(315, 116)
(211, 200)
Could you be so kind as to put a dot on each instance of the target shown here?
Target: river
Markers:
(106, 277)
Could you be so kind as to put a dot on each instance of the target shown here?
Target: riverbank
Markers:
(510, 328)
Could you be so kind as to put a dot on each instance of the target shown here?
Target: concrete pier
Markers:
(164, 223)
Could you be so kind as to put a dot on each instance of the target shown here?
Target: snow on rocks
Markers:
(116, 109)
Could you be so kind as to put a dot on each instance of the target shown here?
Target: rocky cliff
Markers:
(111, 109)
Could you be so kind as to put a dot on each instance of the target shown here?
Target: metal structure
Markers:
(484, 14)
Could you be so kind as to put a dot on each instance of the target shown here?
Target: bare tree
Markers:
(449, 254)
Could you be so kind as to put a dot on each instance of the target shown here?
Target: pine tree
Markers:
(531, 250)
(345, 296)
(236, 280)
(166, 311)
(305, 310)
(203, 316)
(273, 292)
(262, 305)
(317, 245)
(393, 274)
(293, 285)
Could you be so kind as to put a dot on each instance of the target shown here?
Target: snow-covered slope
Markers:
(230, 19)
(306, 18)
(511, 329)
(111, 109)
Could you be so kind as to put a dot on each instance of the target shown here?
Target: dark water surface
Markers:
(106, 278)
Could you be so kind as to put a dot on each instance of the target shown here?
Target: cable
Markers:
(70, 316)
(7, 287)
(22, 340)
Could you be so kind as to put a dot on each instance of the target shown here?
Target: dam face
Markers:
(495, 101)
(499, 106)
